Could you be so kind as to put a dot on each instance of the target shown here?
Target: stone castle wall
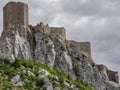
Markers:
(15, 13)
(59, 30)
(84, 46)
(111, 75)
(103, 69)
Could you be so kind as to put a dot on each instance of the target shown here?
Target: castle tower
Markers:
(15, 13)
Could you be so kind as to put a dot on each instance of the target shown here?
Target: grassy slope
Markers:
(8, 71)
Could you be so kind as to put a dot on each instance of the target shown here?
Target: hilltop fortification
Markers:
(48, 45)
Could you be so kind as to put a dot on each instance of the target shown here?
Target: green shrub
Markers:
(28, 86)
(40, 82)
(76, 69)
(7, 84)
(10, 71)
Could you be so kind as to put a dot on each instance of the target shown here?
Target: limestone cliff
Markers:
(48, 45)
(40, 44)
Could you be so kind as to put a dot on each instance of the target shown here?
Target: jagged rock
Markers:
(30, 73)
(87, 71)
(44, 51)
(49, 46)
(43, 71)
(112, 86)
(66, 84)
(62, 59)
(7, 58)
(56, 88)
(48, 86)
(17, 80)
(55, 77)
(14, 44)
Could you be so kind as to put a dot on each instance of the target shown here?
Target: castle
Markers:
(17, 13)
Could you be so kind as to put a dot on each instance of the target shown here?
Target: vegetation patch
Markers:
(8, 71)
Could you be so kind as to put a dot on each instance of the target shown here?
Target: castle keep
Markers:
(15, 13)
(41, 41)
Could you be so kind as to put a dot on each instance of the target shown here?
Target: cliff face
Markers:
(50, 47)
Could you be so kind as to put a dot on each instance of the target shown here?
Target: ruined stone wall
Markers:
(15, 13)
(84, 46)
(59, 30)
(103, 69)
(113, 76)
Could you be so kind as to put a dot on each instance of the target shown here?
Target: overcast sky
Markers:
(96, 21)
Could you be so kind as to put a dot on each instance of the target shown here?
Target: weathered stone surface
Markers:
(112, 86)
(113, 76)
(14, 44)
(83, 46)
(110, 75)
(15, 12)
(62, 59)
(17, 80)
(56, 88)
(44, 51)
(59, 30)
(45, 45)
(48, 86)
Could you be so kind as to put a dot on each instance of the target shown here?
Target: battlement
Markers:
(15, 13)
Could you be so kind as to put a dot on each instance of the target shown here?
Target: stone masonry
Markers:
(83, 46)
(15, 13)
(111, 75)
(59, 30)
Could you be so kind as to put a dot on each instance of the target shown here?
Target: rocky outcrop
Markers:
(50, 48)
(14, 43)
(42, 45)
(111, 75)
(46, 45)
